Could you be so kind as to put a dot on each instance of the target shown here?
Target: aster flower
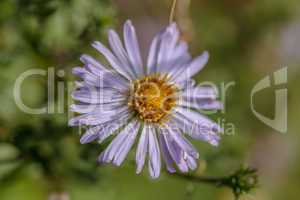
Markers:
(154, 103)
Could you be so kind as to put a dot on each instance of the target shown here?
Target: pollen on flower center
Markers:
(153, 98)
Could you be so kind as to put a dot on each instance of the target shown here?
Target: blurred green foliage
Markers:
(40, 34)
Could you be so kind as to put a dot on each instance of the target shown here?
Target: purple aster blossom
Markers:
(155, 103)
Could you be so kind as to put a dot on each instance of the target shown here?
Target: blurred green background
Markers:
(41, 158)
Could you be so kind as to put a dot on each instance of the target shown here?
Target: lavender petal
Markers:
(154, 163)
(132, 48)
(142, 150)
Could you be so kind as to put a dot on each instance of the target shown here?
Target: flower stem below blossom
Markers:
(201, 179)
(240, 182)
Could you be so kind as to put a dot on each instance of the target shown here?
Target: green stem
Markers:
(241, 182)
(217, 181)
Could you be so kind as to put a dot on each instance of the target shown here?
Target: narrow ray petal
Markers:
(132, 47)
(127, 144)
(154, 154)
(201, 104)
(196, 131)
(97, 97)
(152, 56)
(114, 148)
(194, 67)
(166, 154)
(89, 60)
(90, 135)
(201, 92)
(121, 54)
(198, 119)
(176, 153)
(115, 64)
(142, 150)
(184, 144)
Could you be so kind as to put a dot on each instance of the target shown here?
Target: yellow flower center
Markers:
(153, 98)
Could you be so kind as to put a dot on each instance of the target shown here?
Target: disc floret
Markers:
(153, 98)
